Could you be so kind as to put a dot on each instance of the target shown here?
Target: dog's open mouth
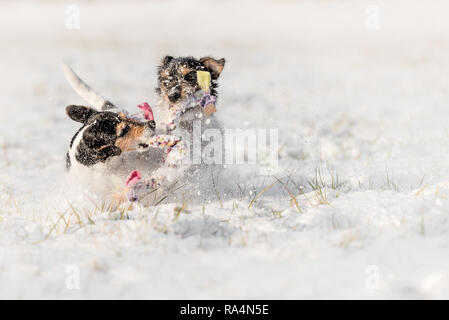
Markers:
(143, 146)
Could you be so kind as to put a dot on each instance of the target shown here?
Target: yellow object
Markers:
(203, 79)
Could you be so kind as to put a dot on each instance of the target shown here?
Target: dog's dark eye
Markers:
(123, 132)
(190, 76)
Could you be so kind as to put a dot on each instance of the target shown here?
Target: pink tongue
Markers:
(147, 111)
(133, 177)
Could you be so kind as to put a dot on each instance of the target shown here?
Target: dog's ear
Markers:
(79, 113)
(166, 60)
(213, 66)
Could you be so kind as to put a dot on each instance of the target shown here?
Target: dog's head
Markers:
(106, 134)
(177, 77)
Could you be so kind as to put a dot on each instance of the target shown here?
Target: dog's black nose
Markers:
(174, 96)
(151, 124)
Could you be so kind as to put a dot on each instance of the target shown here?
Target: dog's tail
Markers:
(96, 100)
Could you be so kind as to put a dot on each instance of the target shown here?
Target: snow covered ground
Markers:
(359, 92)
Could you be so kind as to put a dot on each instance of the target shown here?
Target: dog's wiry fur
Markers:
(177, 82)
(177, 76)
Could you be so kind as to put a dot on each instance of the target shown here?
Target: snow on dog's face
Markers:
(106, 134)
(177, 78)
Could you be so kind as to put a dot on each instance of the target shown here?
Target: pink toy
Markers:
(131, 183)
(133, 178)
(147, 111)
